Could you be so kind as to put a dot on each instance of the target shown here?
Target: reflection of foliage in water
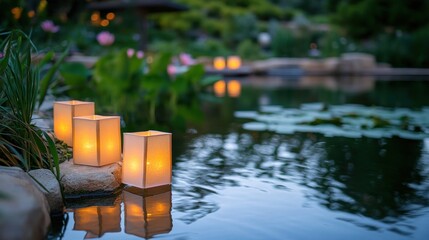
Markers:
(382, 179)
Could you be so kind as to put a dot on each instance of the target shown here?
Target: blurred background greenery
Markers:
(394, 31)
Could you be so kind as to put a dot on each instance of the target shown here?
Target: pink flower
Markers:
(49, 26)
(171, 69)
(140, 54)
(105, 38)
(186, 59)
(130, 52)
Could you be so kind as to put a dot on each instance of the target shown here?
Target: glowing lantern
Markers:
(219, 88)
(98, 220)
(63, 117)
(147, 159)
(234, 88)
(219, 63)
(96, 140)
(146, 216)
(234, 62)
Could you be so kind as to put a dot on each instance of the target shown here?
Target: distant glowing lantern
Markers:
(96, 140)
(219, 88)
(219, 63)
(147, 159)
(146, 216)
(16, 12)
(31, 14)
(234, 62)
(98, 220)
(110, 16)
(63, 117)
(104, 23)
(234, 88)
(95, 16)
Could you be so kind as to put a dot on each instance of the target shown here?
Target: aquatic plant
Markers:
(22, 144)
(123, 83)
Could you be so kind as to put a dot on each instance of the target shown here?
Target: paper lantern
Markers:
(219, 63)
(147, 159)
(63, 117)
(234, 88)
(98, 220)
(219, 88)
(96, 140)
(234, 62)
(146, 216)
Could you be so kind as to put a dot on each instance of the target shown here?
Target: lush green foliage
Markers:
(22, 143)
(138, 91)
(366, 18)
(219, 25)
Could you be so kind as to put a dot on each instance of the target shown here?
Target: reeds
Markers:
(22, 143)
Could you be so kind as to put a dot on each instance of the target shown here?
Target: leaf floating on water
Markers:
(312, 106)
(246, 114)
(255, 126)
(271, 108)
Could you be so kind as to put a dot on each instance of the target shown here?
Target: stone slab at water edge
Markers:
(24, 210)
(50, 183)
(87, 180)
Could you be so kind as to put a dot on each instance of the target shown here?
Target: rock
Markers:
(43, 123)
(48, 180)
(82, 180)
(24, 210)
(355, 63)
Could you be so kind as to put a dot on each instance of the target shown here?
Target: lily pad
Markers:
(255, 126)
(348, 120)
(246, 114)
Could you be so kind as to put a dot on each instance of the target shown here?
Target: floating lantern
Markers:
(219, 88)
(234, 62)
(234, 88)
(63, 117)
(98, 220)
(219, 63)
(147, 159)
(96, 140)
(146, 216)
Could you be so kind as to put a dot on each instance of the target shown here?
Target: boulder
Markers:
(87, 180)
(24, 210)
(356, 63)
(50, 183)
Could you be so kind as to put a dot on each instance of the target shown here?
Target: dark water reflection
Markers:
(229, 183)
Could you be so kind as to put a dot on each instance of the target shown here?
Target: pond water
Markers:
(236, 182)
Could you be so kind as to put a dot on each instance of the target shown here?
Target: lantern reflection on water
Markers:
(98, 220)
(219, 88)
(234, 88)
(147, 215)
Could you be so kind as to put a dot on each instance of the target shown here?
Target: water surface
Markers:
(233, 183)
